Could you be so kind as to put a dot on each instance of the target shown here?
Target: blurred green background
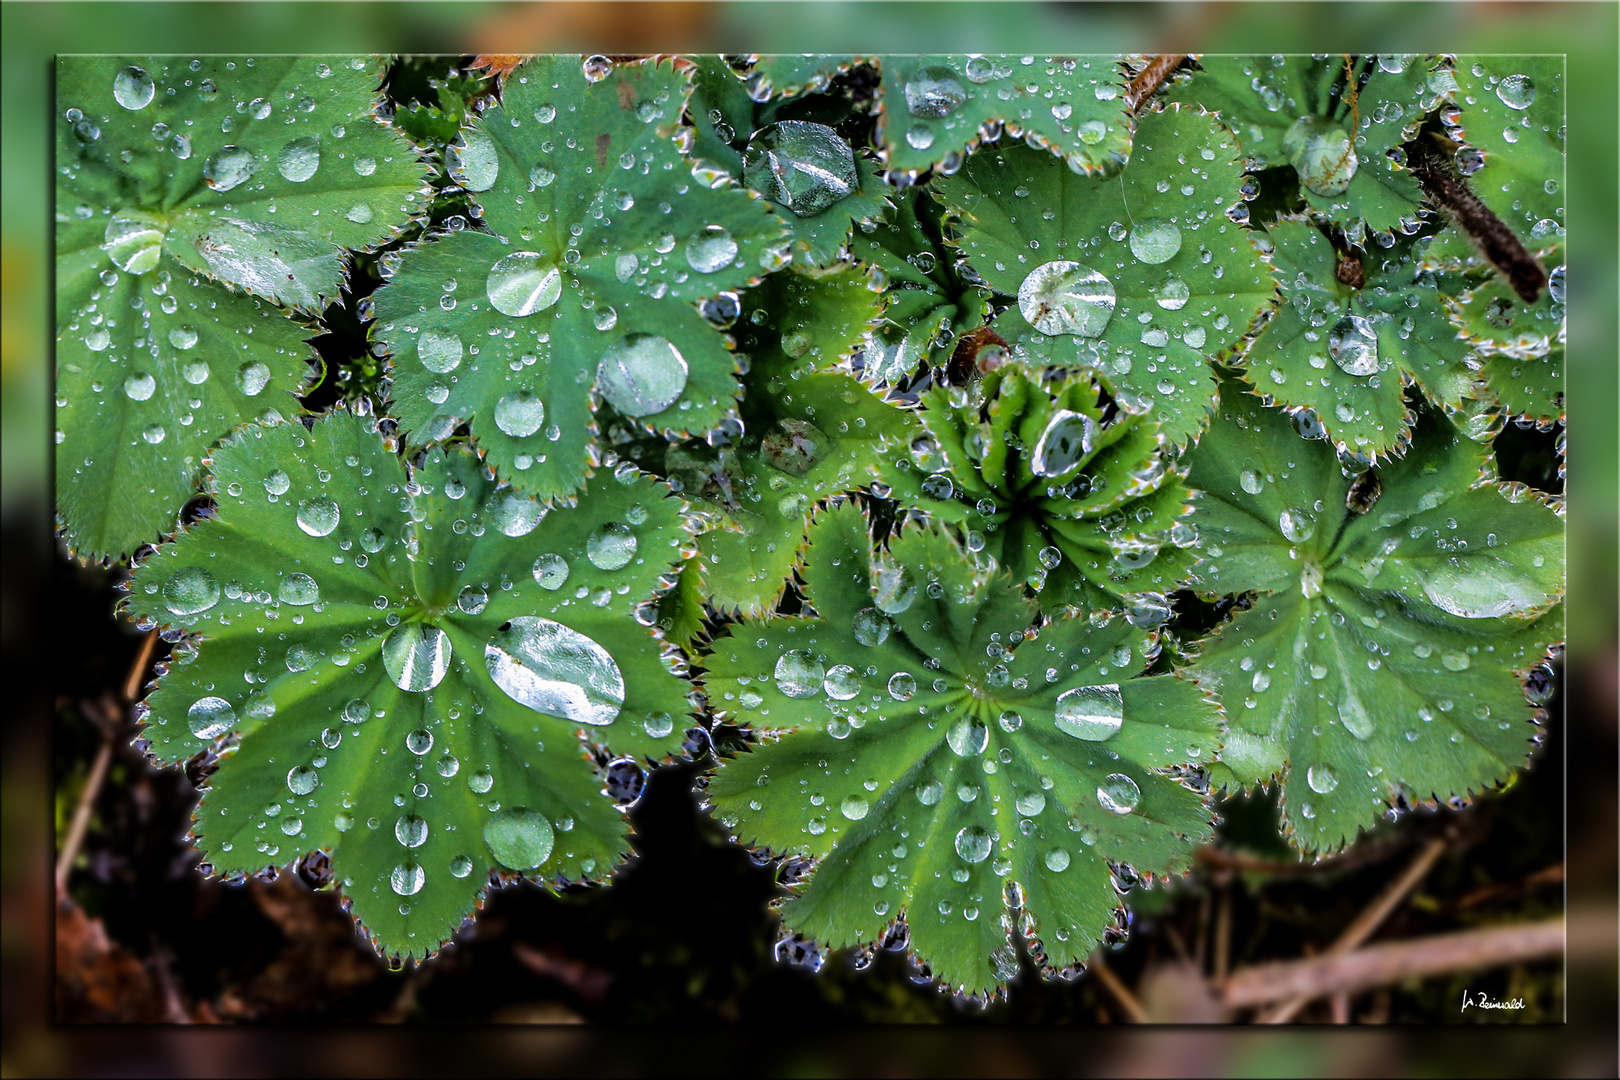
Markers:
(34, 32)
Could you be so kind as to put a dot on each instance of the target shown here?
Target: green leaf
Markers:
(1378, 663)
(601, 244)
(811, 434)
(756, 141)
(932, 107)
(916, 755)
(1513, 112)
(394, 651)
(1076, 503)
(928, 300)
(1347, 352)
(1521, 346)
(1140, 276)
(789, 74)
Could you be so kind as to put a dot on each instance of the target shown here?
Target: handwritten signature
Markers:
(1480, 1001)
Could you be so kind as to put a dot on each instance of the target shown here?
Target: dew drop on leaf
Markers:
(895, 587)
(1353, 345)
(411, 831)
(550, 571)
(474, 165)
(1172, 295)
(1067, 298)
(302, 780)
(299, 159)
(440, 352)
(210, 717)
(1296, 525)
(520, 414)
(799, 674)
(481, 780)
(555, 670)
(298, 590)
(1092, 713)
(1251, 482)
(1057, 860)
(853, 807)
(1066, 441)
(460, 866)
(710, 249)
(841, 682)
(252, 377)
(973, 844)
(641, 374)
(611, 546)
(804, 166)
(407, 879)
(133, 88)
(417, 656)
(1118, 794)
(140, 386)
(419, 742)
(1321, 779)
(190, 591)
(930, 793)
(519, 285)
(472, 599)
(1354, 716)
(517, 515)
(1320, 152)
(134, 240)
(1030, 803)
(968, 737)
(1516, 91)
(520, 839)
(228, 167)
(318, 516)
(902, 685)
(934, 93)
(870, 627)
(1155, 240)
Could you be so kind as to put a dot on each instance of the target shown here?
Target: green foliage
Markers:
(1378, 663)
(928, 347)
(962, 768)
(407, 665)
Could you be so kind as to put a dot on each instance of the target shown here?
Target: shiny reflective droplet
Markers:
(439, 351)
(140, 386)
(299, 159)
(302, 780)
(516, 515)
(475, 165)
(894, 585)
(481, 780)
(902, 686)
(1030, 803)
(1172, 295)
(1251, 482)
(870, 627)
(1093, 713)
(1155, 240)
(133, 88)
(709, 249)
(1469, 593)
(523, 283)
(611, 546)
(853, 807)
(419, 742)
(1118, 794)
(550, 571)
(794, 446)
(799, 674)
(228, 167)
(1321, 779)
(411, 831)
(1353, 345)
(934, 93)
(841, 683)
(1067, 298)
(973, 844)
(555, 670)
(1454, 661)
(417, 656)
(190, 591)
(407, 879)
(298, 590)
(520, 414)
(520, 839)
(210, 717)
(1296, 525)
(1057, 860)
(1517, 91)
(460, 866)
(1320, 152)
(1355, 718)
(252, 377)
(472, 600)
(930, 793)
(805, 167)
(920, 137)
(184, 337)
(641, 374)
(134, 240)
(1066, 441)
(968, 737)
(318, 516)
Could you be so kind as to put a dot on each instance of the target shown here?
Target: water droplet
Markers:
(895, 588)
(1172, 295)
(596, 68)
(1354, 716)
(968, 737)
(853, 807)
(1093, 713)
(794, 446)
(1251, 481)
(481, 780)
(134, 241)
(1118, 793)
(411, 831)
(1471, 594)
(1155, 240)
(407, 879)
(184, 337)
(318, 516)
(1296, 525)
(901, 686)
(140, 386)
(550, 571)
(930, 793)
(799, 674)
(973, 844)
(519, 838)
(641, 374)
(1517, 91)
(1354, 346)
(419, 742)
(520, 414)
(472, 600)
(555, 670)
(417, 656)
(439, 351)
(1030, 803)
(1057, 860)
(1067, 440)
(474, 165)
(841, 683)
(710, 249)
(517, 515)
(133, 88)
(870, 627)
(1454, 661)
(1067, 298)
(611, 546)
(805, 167)
(1555, 284)
(302, 780)
(228, 167)
(521, 284)
(210, 717)
(299, 590)
(934, 94)
(460, 866)
(299, 159)
(190, 591)
(1321, 779)
(1320, 152)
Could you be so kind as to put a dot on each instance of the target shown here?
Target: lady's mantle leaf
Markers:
(1346, 351)
(1513, 114)
(1140, 276)
(411, 664)
(960, 766)
(1076, 503)
(1378, 663)
(602, 242)
(1520, 346)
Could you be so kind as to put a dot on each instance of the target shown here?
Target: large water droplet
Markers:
(853, 807)
(439, 351)
(902, 685)
(1473, 594)
(1068, 438)
(520, 414)
(1320, 152)
(318, 516)
(140, 386)
(1321, 779)
(804, 166)
(1517, 91)
(523, 283)
(1354, 716)
(517, 515)
(185, 337)
(1067, 298)
(1172, 295)
(973, 844)
(1118, 794)
(133, 88)
(227, 167)
(210, 717)
(1155, 240)
(475, 165)
(407, 879)
(894, 585)
(968, 737)
(1296, 525)
(134, 240)
(1030, 803)
(710, 249)
(411, 831)
(870, 627)
(611, 546)
(299, 159)
(934, 94)
(252, 377)
(301, 780)
(794, 446)
(641, 374)
(1057, 860)
(555, 670)
(841, 682)
(299, 590)
(518, 838)
(550, 571)
(799, 674)
(1354, 345)
(1093, 713)
(417, 656)
(190, 591)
